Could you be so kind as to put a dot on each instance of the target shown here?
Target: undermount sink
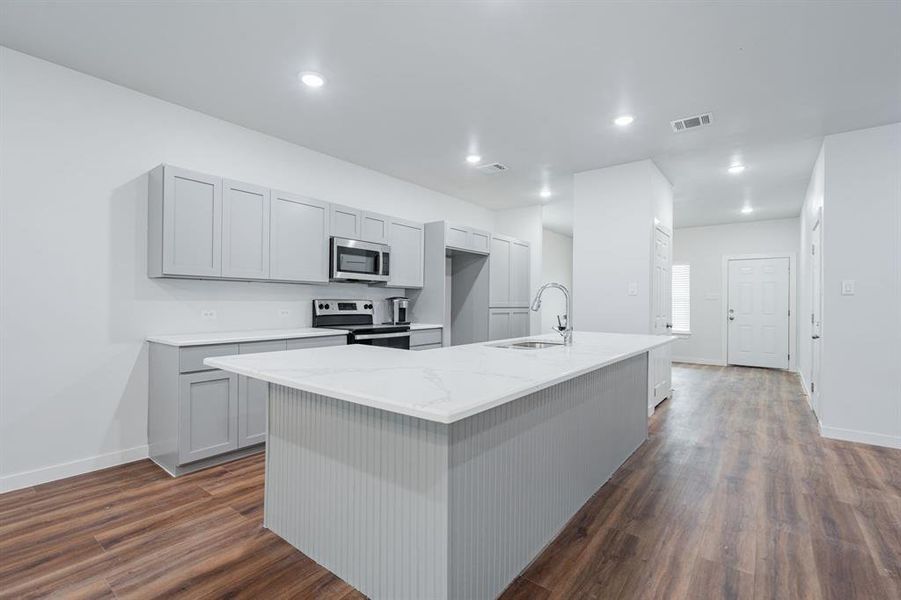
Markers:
(530, 344)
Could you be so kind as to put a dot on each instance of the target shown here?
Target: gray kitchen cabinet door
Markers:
(519, 274)
(299, 239)
(346, 222)
(480, 241)
(208, 415)
(374, 228)
(406, 263)
(253, 398)
(456, 236)
(191, 223)
(245, 231)
(499, 325)
(519, 323)
(499, 272)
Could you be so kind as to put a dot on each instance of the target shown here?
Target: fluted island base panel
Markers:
(401, 507)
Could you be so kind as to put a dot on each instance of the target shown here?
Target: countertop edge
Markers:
(445, 419)
(237, 337)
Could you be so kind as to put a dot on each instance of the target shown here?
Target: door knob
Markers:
(731, 314)
(669, 325)
(814, 337)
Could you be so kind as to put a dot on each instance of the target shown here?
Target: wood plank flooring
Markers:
(734, 495)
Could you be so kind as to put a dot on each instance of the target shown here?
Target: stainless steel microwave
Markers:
(356, 260)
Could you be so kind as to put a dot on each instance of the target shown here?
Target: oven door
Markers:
(397, 339)
(356, 260)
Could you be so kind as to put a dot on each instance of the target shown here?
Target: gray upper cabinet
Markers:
(245, 231)
(184, 223)
(519, 274)
(499, 271)
(208, 414)
(375, 228)
(299, 238)
(406, 241)
(509, 272)
(346, 222)
(469, 239)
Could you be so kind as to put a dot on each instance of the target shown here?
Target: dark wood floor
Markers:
(733, 495)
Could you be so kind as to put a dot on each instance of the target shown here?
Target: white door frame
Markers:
(792, 303)
(816, 232)
(652, 375)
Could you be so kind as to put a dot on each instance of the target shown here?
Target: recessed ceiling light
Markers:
(624, 120)
(736, 169)
(473, 159)
(311, 79)
(747, 210)
(545, 193)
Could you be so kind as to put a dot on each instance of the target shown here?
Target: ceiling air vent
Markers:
(492, 168)
(691, 122)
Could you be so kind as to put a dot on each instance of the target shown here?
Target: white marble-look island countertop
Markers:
(443, 385)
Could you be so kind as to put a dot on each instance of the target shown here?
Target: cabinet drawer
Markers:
(269, 346)
(425, 347)
(317, 342)
(425, 337)
(190, 359)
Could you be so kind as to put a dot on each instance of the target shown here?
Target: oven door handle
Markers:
(381, 336)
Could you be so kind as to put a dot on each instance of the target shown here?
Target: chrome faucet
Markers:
(566, 327)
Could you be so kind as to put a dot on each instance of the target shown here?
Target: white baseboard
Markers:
(25, 479)
(699, 361)
(863, 437)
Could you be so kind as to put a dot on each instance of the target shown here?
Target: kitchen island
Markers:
(442, 474)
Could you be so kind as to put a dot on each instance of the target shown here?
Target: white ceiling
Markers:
(413, 87)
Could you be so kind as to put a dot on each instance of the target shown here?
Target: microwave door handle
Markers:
(381, 336)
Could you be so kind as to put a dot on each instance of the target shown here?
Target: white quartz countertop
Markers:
(236, 337)
(442, 385)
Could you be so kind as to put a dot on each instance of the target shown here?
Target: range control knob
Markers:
(320, 306)
(326, 307)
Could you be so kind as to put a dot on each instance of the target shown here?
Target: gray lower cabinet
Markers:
(504, 323)
(208, 414)
(253, 397)
(199, 416)
(425, 339)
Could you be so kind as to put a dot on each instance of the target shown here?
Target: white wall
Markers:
(860, 395)
(75, 302)
(525, 224)
(556, 265)
(613, 213)
(703, 248)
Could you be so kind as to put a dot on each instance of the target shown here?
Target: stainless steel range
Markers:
(358, 318)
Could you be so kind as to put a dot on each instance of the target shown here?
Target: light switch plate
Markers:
(633, 288)
(847, 287)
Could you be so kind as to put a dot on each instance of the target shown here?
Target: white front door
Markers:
(816, 308)
(662, 309)
(758, 312)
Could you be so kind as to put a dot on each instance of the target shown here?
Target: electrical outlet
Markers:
(847, 287)
(284, 313)
(633, 288)
(209, 315)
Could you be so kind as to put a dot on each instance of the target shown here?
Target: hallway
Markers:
(734, 495)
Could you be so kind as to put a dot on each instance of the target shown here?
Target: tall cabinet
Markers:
(509, 289)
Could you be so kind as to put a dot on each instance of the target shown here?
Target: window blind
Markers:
(681, 298)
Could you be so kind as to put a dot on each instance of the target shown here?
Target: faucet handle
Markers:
(561, 325)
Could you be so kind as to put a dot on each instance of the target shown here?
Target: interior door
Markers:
(662, 307)
(816, 309)
(758, 312)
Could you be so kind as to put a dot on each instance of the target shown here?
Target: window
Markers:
(681, 299)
